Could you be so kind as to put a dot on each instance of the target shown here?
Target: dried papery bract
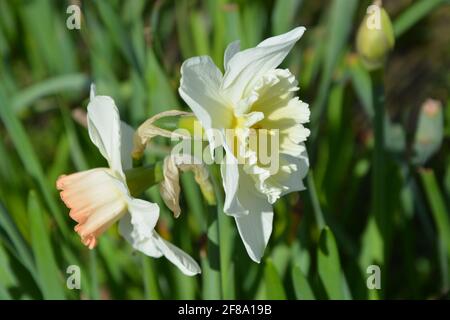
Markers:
(148, 130)
(170, 186)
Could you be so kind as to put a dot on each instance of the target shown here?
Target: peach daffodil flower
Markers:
(99, 197)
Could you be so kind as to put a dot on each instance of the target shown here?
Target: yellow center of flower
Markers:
(237, 122)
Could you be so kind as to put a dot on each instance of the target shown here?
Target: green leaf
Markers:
(60, 161)
(7, 19)
(7, 276)
(372, 246)
(183, 30)
(18, 245)
(395, 138)
(281, 256)
(234, 29)
(338, 30)
(283, 15)
(43, 36)
(447, 119)
(329, 265)
(414, 14)
(93, 275)
(161, 93)
(50, 280)
(118, 33)
(362, 84)
(76, 151)
(273, 283)
(150, 279)
(56, 85)
(29, 159)
(302, 287)
(441, 219)
(215, 9)
(253, 22)
(199, 33)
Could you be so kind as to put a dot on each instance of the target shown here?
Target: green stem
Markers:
(211, 260)
(220, 230)
(379, 207)
(378, 176)
(141, 178)
(226, 263)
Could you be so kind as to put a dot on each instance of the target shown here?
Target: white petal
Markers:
(200, 89)
(255, 228)
(245, 68)
(230, 177)
(148, 246)
(104, 129)
(293, 181)
(252, 118)
(155, 246)
(291, 172)
(178, 257)
(137, 226)
(230, 51)
(144, 216)
(126, 144)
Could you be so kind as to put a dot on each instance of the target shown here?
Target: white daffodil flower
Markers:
(252, 97)
(99, 197)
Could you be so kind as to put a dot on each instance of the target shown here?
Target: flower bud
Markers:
(430, 131)
(375, 38)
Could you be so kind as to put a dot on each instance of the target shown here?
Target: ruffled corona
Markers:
(269, 128)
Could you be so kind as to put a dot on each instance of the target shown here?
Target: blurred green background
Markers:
(133, 51)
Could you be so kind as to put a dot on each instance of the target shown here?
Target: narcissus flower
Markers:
(252, 101)
(99, 197)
